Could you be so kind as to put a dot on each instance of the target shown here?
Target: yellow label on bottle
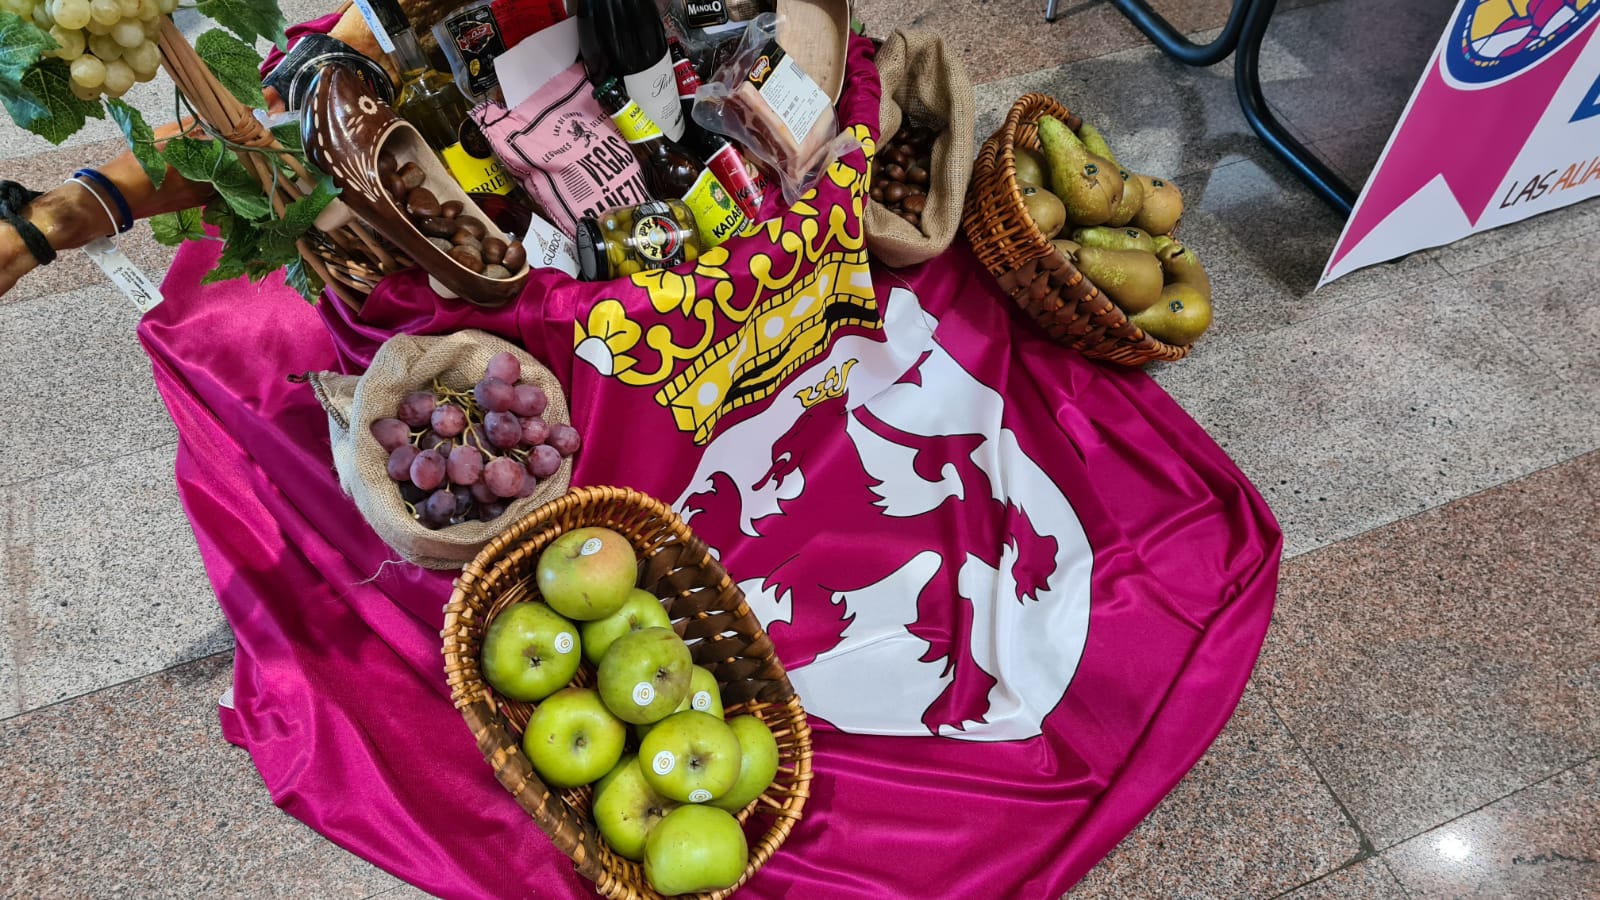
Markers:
(476, 174)
(634, 124)
(716, 216)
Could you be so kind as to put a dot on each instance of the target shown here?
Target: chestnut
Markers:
(436, 226)
(917, 175)
(473, 226)
(387, 164)
(468, 258)
(894, 193)
(494, 250)
(421, 203)
(516, 257)
(496, 271)
(894, 172)
(451, 208)
(441, 243)
(914, 204)
(914, 220)
(877, 192)
(411, 175)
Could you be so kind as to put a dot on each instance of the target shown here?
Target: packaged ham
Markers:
(762, 99)
(565, 150)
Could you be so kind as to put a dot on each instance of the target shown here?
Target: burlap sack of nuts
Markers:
(923, 81)
(408, 363)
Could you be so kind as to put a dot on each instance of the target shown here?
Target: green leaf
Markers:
(173, 229)
(236, 65)
(237, 253)
(21, 45)
(43, 102)
(141, 140)
(304, 280)
(289, 137)
(249, 19)
(210, 161)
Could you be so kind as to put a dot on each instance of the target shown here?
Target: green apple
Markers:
(691, 757)
(704, 694)
(625, 808)
(642, 609)
(586, 573)
(758, 763)
(572, 739)
(530, 652)
(645, 674)
(695, 848)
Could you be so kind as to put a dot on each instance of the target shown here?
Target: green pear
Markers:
(1125, 238)
(1089, 186)
(1180, 265)
(1163, 241)
(1095, 142)
(1131, 278)
(1031, 168)
(1162, 206)
(1182, 315)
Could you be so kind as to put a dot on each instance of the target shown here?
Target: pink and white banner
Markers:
(1504, 125)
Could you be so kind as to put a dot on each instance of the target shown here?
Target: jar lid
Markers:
(593, 263)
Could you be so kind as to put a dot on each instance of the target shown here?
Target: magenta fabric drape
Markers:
(1019, 592)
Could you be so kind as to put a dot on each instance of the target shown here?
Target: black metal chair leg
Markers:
(1247, 81)
(1163, 35)
(1241, 36)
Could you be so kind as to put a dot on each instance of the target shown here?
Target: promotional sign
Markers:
(1504, 125)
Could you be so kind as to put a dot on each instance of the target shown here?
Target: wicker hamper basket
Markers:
(708, 611)
(1043, 282)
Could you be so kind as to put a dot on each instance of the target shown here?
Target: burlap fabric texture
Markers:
(925, 82)
(408, 363)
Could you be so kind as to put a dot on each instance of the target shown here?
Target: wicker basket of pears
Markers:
(1084, 245)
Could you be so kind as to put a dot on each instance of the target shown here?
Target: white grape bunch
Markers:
(109, 45)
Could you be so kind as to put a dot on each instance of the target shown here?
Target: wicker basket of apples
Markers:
(626, 696)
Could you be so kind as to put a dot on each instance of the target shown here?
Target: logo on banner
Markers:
(1493, 40)
(919, 569)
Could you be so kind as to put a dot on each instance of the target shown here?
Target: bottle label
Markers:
(687, 78)
(656, 92)
(474, 38)
(636, 127)
(705, 13)
(657, 237)
(794, 98)
(729, 167)
(716, 216)
(475, 174)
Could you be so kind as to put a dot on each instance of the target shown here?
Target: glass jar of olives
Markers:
(630, 239)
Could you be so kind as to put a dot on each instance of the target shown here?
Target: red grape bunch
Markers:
(463, 456)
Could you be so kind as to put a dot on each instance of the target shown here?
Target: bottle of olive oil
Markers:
(430, 100)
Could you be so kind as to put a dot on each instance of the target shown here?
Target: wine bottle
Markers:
(430, 100)
(721, 156)
(625, 39)
(672, 172)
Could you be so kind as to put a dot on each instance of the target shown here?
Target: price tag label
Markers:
(129, 278)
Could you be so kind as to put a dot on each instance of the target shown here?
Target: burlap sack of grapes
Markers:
(450, 368)
(925, 89)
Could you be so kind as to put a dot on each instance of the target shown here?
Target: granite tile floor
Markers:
(1423, 719)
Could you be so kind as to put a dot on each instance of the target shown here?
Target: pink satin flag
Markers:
(1018, 592)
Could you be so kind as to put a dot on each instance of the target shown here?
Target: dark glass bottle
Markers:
(669, 170)
(425, 97)
(721, 156)
(625, 39)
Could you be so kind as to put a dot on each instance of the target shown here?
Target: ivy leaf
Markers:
(173, 229)
(249, 19)
(42, 101)
(289, 138)
(209, 161)
(235, 63)
(238, 251)
(21, 45)
(304, 280)
(141, 140)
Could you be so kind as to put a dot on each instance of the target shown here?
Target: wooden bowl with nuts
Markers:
(390, 178)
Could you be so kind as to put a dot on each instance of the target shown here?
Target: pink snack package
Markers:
(565, 151)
